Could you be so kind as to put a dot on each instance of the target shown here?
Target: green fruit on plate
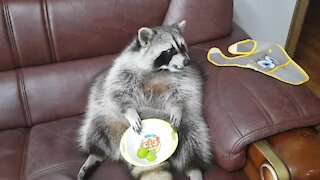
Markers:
(142, 152)
(151, 156)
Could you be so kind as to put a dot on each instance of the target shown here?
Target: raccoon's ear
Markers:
(181, 25)
(145, 35)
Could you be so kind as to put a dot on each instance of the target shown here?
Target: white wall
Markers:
(265, 20)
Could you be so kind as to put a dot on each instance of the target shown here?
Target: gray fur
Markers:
(134, 89)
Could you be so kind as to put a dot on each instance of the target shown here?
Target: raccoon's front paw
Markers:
(175, 118)
(175, 122)
(134, 120)
(136, 125)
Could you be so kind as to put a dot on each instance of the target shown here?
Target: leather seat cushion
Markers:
(49, 151)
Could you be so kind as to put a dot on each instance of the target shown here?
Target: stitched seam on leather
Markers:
(75, 60)
(166, 13)
(223, 105)
(67, 117)
(55, 134)
(233, 157)
(231, 154)
(24, 97)
(13, 44)
(48, 29)
(253, 133)
(292, 100)
(274, 126)
(255, 100)
(53, 169)
(243, 139)
(25, 155)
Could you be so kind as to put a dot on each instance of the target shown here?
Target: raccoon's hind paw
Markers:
(175, 118)
(89, 166)
(81, 174)
(134, 120)
(194, 174)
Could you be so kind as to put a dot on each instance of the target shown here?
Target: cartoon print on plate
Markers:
(149, 147)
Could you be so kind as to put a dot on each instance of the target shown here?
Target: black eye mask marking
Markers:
(182, 47)
(165, 57)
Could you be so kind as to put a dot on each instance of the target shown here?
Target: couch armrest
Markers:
(242, 106)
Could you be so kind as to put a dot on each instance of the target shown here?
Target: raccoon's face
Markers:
(164, 48)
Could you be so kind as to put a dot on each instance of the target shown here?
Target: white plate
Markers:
(131, 142)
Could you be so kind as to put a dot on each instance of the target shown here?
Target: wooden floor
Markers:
(307, 53)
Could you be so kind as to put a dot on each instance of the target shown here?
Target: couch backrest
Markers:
(51, 49)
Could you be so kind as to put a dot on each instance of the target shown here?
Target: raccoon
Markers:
(153, 77)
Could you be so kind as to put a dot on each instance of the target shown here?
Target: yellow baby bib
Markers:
(267, 58)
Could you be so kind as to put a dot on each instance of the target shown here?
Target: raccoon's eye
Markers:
(145, 145)
(172, 51)
(183, 48)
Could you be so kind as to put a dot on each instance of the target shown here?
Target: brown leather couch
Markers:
(51, 50)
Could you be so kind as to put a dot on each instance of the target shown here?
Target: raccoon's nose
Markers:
(186, 62)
